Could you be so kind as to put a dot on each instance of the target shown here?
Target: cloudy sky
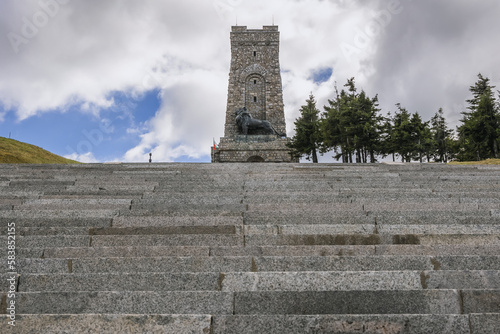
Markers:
(112, 80)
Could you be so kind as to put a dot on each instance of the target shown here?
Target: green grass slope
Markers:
(16, 152)
(484, 162)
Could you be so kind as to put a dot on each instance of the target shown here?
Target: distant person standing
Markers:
(150, 157)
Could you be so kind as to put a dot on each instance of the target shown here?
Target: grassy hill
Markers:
(16, 152)
(484, 162)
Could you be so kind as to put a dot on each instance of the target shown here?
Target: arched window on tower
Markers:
(255, 95)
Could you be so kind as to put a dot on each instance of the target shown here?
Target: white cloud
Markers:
(85, 158)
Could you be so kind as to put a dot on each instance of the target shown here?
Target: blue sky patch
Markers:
(74, 131)
(321, 75)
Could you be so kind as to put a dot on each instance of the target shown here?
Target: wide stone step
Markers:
(146, 230)
(39, 183)
(370, 239)
(61, 221)
(429, 218)
(184, 186)
(125, 251)
(184, 209)
(91, 240)
(357, 250)
(125, 302)
(57, 214)
(367, 302)
(171, 237)
(301, 217)
(163, 251)
(361, 229)
(400, 218)
(262, 281)
(262, 303)
(110, 323)
(279, 208)
(163, 220)
(74, 204)
(355, 280)
(186, 200)
(120, 192)
(202, 281)
(256, 264)
(114, 182)
(357, 324)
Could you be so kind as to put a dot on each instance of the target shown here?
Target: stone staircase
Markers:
(252, 248)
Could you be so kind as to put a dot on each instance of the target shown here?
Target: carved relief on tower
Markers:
(253, 69)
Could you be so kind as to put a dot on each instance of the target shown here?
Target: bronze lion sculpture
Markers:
(246, 122)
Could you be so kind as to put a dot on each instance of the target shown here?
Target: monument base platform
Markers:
(252, 148)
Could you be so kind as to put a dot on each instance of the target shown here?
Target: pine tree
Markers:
(420, 138)
(402, 134)
(441, 137)
(351, 125)
(335, 127)
(307, 139)
(479, 133)
(388, 144)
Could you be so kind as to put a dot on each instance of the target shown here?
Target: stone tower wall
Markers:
(255, 78)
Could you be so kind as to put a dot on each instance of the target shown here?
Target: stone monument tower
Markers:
(255, 129)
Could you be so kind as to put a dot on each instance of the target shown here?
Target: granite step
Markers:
(66, 222)
(74, 204)
(125, 302)
(367, 302)
(409, 218)
(91, 240)
(357, 324)
(256, 264)
(261, 281)
(108, 230)
(358, 250)
(80, 214)
(111, 323)
(371, 239)
(114, 252)
(279, 208)
(262, 303)
(187, 200)
(234, 251)
(379, 228)
(237, 324)
(171, 237)
(123, 281)
(160, 220)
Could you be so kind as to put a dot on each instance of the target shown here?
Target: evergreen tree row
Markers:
(352, 127)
